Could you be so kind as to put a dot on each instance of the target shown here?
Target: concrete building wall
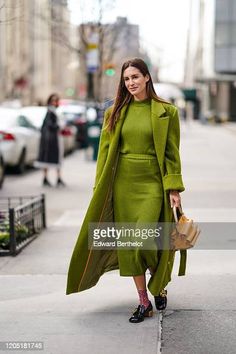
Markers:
(215, 89)
(40, 52)
(200, 53)
(32, 61)
(2, 53)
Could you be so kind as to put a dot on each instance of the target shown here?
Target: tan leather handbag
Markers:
(185, 233)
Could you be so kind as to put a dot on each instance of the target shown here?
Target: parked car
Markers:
(20, 139)
(2, 163)
(75, 114)
(36, 115)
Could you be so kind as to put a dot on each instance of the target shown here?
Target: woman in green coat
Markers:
(138, 180)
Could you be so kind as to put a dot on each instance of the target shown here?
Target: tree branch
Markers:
(11, 19)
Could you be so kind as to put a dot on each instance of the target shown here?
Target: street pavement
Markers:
(201, 313)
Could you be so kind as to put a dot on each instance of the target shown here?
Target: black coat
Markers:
(49, 142)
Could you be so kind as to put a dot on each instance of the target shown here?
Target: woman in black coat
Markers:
(49, 149)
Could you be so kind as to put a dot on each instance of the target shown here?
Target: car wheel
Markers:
(2, 171)
(21, 164)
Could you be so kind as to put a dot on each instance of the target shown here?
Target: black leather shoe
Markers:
(46, 182)
(161, 300)
(141, 312)
(60, 183)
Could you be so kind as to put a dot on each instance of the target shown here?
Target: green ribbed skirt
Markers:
(137, 198)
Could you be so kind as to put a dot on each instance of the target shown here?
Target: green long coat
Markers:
(87, 265)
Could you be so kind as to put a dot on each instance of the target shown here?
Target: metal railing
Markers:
(21, 221)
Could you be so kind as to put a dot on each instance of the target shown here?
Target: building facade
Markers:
(34, 57)
(211, 57)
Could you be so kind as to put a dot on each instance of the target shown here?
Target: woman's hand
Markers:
(175, 199)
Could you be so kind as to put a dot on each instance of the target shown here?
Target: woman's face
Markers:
(135, 82)
(55, 101)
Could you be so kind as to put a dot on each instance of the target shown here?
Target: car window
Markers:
(24, 122)
(35, 115)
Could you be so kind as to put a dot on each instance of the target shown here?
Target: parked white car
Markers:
(36, 115)
(2, 163)
(20, 139)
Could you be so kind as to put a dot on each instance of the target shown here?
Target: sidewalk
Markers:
(94, 321)
(33, 304)
(201, 315)
(231, 126)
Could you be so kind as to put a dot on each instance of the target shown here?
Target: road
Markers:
(201, 313)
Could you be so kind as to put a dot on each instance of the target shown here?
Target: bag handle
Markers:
(175, 212)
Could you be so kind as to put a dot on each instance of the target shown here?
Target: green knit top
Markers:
(136, 133)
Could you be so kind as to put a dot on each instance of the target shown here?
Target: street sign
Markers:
(92, 55)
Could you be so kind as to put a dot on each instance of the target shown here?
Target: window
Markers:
(23, 122)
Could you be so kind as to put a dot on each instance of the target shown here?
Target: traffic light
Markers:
(110, 69)
(70, 91)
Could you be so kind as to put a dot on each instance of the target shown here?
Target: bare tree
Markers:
(58, 31)
(105, 54)
(59, 28)
(4, 6)
(92, 17)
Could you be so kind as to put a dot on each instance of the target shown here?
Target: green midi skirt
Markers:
(137, 198)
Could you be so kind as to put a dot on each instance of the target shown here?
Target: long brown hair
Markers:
(124, 97)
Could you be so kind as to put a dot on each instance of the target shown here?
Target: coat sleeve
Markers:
(103, 149)
(173, 178)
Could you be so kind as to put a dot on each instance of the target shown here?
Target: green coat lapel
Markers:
(160, 123)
